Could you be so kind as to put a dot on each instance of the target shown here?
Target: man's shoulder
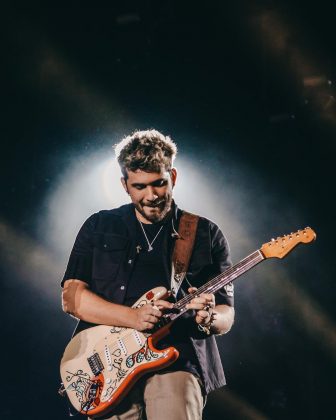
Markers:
(202, 220)
(121, 211)
(107, 219)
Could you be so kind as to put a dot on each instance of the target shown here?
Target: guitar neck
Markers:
(217, 283)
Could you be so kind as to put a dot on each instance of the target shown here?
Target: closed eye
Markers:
(159, 183)
(139, 186)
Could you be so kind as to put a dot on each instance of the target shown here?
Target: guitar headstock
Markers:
(281, 246)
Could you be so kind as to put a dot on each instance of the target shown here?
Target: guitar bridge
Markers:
(95, 364)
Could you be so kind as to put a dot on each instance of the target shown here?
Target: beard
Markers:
(156, 211)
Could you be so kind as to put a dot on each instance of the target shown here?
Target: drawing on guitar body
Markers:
(102, 363)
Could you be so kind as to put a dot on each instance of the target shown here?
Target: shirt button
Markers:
(122, 287)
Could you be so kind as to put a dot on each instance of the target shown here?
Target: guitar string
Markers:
(182, 308)
(234, 273)
(225, 278)
(213, 288)
(222, 280)
(210, 286)
(233, 276)
(253, 259)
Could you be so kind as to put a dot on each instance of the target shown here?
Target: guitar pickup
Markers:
(95, 364)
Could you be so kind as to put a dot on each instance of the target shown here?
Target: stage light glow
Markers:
(31, 263)
(93, 183)
(82, 190)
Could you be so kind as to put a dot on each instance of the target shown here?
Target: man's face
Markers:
(151, 193)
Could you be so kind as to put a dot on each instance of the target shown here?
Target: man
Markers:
(120, 254)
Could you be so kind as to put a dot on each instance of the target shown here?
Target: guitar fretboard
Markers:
(212, 286)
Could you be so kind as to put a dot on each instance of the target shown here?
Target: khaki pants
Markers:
(166, 396)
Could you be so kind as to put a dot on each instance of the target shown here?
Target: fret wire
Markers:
(220, 276)
(228, 275)
(214, 288)
(233, 275)
(218, 285)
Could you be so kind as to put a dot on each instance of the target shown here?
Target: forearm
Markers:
(79, 301)
(223, 318)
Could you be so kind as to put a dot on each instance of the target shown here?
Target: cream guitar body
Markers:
(100, 364)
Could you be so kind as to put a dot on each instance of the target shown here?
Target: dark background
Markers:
(246, 89)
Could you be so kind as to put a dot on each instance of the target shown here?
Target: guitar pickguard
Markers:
(120, 363)
(101, 364)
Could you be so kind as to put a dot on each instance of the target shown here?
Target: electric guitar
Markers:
(102, 363)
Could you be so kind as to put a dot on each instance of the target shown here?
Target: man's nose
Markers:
(151, 194)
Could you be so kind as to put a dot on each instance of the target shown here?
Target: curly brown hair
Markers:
(147, 150)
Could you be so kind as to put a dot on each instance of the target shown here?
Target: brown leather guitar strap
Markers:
(183, 249)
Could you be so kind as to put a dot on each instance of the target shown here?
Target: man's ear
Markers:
(124, 184)
(173, 176)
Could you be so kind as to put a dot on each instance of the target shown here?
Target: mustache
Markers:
(155, 203)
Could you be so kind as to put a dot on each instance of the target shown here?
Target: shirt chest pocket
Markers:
(109, 251)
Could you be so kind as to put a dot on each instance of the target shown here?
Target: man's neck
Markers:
(142, 219)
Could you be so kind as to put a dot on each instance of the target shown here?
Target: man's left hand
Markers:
(203, 304)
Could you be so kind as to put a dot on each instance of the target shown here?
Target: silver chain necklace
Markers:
(150, 244)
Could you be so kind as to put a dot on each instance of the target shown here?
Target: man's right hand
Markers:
(146, 316)
(81, 302)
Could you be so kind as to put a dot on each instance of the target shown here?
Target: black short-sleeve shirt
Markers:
(105, 255)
